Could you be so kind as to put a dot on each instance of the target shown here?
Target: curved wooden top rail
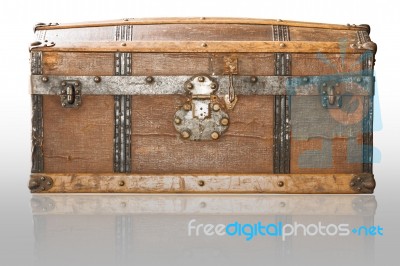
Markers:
(199, 20)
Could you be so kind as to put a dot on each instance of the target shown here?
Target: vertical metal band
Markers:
(280, 33)
(122, 134)
(124, 33)
(36, 63)
(37, 134)
(283, 67)
(368, 133)
(368, 114)
(122, 111)
(123, 64)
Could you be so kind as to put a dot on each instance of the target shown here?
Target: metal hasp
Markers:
(40, 184)
(202, 117)
(330, 96)
(70, 93)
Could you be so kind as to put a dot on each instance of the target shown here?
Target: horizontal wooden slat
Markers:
(204, 47)
(269, 183)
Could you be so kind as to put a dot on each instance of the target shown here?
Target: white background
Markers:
(18, 17)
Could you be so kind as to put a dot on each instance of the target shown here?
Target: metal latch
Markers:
(70, 93)
(202, 117)
(230, 68)
(330, 96)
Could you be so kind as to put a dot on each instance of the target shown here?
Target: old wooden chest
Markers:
(202, 105)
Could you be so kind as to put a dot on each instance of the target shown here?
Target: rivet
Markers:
(359, 188)
(282, 45)
(77, 91)
(201, 183)
(224, 121)
(305, 79)
(216, 107)
(337, 84)
(352, 184)
(149, 79)
(63, 104)
(358, 80)
(42, 178)
(123, 204)
(213, 86)
(76, 83)
(279, 20)
(49, 183)
(185, 134)
(123, 44)
(63, 83)
(121, 183)
(353, 45)
(126, 19)
(177, 120)
(201, 79)
(324, 85)
(189, 86)
(204, 44)
(187, 107)
(214, 135)
(280, 183)
(202, 18)
(253, 79)
(358, 178)
(203, 204)
(323, 92)
(63, 91)
(282, 204)
(97, 79)
(45, 79)
(42, 188)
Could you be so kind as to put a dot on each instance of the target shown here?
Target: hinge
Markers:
(41, 24)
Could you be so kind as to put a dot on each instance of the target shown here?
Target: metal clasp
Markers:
(331, 97)
(202, 117)
(70, 93)
(230, 68)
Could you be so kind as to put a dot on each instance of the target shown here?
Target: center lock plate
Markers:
(202, 117)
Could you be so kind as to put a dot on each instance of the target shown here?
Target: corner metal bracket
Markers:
(363, 183)
(40, 183)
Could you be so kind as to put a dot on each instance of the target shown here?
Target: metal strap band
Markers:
(36, 63)
(37, 134)
(124, 33)
(160, 85)
(122, 108)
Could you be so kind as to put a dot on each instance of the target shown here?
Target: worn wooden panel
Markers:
(78, 140)
(246, 147)
(326, 140)
(202, 32)
(196, 63)
(78, 64)
(326, 64)
(197, 183)
(170, 63)
(322, 35)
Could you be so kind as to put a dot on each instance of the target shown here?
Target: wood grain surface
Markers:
(262, 183)
(78, 140)
(157, 148)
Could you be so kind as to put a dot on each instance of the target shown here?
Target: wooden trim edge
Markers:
(209, 47)
(258, 183)
(200, 20)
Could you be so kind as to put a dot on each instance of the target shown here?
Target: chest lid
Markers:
(203, 35)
